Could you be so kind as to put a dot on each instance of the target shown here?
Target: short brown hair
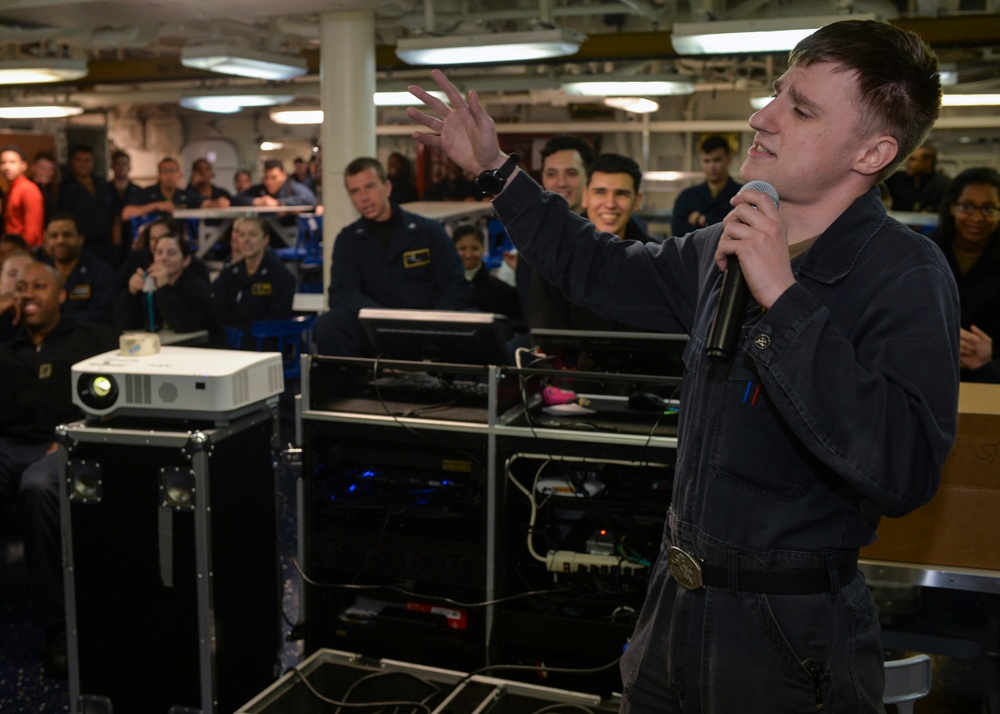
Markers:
(364, 163)
(899, 86)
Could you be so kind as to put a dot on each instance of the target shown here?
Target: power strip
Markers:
(569, 561)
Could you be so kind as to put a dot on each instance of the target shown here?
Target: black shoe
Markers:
(56, 661)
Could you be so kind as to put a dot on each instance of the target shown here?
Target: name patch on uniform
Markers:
(80, 292)
(416, 258)
(261, 289)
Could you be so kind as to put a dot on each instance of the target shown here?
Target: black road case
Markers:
(171, 570)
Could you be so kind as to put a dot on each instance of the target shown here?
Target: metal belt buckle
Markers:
(685, 568)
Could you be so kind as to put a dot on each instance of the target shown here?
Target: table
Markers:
(926, 222)
(208, 235)
(974, 580)
(450, 212)
(309, 302)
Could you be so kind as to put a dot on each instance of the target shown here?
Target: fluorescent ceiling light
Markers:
(652, 86)
(758, 103)
(232, 103)
(36, 71)
(740, 36)
(271, 145)
(297, 116)
(243, 62)
(40, 111)
(403, 99)
(489, 47)
(949, 73)
(636, 105)
(970, 100)
(672, 176)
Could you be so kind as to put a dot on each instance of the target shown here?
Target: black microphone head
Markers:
(763, 187)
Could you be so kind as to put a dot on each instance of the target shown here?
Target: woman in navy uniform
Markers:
(257, 287)
(181, 301)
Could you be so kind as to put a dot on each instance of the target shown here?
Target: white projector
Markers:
(178, 382)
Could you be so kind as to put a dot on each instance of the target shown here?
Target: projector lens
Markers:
(97, 391)
(101, 386)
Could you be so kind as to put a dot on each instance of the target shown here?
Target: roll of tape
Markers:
(137, 344)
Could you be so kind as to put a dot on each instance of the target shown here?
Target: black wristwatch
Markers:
(491, 182)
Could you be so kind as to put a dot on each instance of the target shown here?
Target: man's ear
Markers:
(879, 153)
(388, 187)
(638, 202)
(62, 296)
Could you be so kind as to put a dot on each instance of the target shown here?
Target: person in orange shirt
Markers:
(23, 206)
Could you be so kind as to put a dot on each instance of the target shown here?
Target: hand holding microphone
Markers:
(733, 297)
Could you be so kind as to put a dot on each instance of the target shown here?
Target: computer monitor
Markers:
(654, 354)
(476, 338)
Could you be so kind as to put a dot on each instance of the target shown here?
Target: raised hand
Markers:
(464, 131)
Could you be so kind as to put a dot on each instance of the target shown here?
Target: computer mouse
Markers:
(647, 402)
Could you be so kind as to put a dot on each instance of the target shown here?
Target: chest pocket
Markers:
(80, 292)
(752, 446)
(261, 289)
(417, 258)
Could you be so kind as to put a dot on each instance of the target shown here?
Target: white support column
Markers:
(347, 89)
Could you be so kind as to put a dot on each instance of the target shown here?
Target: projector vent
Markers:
(241, 387)
(138, 389)
(275, 375)
(168, 392)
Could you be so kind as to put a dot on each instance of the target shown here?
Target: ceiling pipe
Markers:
(429, 16)
(643, 9)
(412, 22)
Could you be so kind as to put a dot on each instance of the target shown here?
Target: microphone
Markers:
(732, 305)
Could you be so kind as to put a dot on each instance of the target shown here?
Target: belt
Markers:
(692, 573)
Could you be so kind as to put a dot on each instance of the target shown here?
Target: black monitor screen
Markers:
(477, 338)
(634, 353)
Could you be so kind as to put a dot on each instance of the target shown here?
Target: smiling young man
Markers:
(565, 160)
(850, 345)
(35, 379)
(88, 281)
(388, 258)
(609, 197)
(612, 195)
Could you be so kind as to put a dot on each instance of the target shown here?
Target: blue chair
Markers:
(138, 222)
(234, 336)
(291, 337)
(498, 242)
(308, 248)
(307, 253)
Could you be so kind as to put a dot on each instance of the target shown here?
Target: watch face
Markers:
(489, 182)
